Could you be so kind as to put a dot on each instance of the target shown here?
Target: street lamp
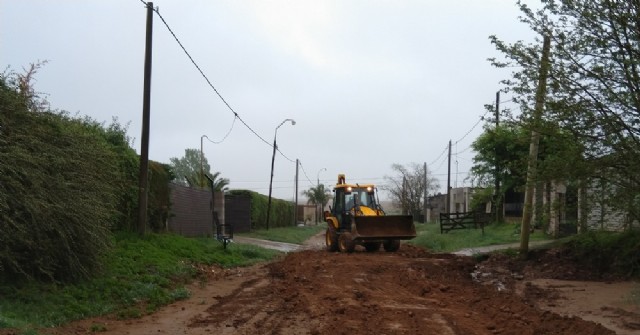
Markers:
(319, 212)
(318, 175)
(273, 157)
(202, 161)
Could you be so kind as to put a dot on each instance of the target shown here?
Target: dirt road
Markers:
(315, 292)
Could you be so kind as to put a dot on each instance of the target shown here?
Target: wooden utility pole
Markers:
(533, 147)
(295, 208)
(404, 195)
(498, 196)
(424, 202)
(146, 112)
(448, 203)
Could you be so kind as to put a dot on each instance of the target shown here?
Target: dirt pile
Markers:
(410, 292)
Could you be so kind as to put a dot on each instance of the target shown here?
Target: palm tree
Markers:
(219, 184)
(318, 196)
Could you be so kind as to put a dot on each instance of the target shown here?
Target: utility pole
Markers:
(448, 203)
(202, 161)
(424, 202)
(533, 147)
(146, 113)
(404, 195)
(295, 208)
(498, 196)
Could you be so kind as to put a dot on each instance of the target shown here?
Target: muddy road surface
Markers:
(315, 292)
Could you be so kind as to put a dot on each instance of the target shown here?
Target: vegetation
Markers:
(429, 237)
(58, 189)
(295, 235)
(281, 210)
(188, 171)
(593, 88)
(507, 146)
(139, 276)
(319, 196)
(608, 252)
(407, 187)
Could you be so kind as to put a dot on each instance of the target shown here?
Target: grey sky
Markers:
(369, 83)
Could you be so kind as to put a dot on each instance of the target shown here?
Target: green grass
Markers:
(429, 237)
(295, 235)
(140, 275)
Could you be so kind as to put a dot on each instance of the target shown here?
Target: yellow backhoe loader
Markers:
(356, 218)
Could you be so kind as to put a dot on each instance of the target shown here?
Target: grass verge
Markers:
(504, 233)
(296, 235)
(140, 275)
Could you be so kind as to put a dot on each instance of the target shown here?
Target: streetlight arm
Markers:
(202, 160)
(273, 157)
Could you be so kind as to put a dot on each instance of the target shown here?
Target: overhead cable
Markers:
(207, 79)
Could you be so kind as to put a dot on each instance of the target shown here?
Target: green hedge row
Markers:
(281, 210)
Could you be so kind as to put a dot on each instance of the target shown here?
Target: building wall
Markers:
(596, 214)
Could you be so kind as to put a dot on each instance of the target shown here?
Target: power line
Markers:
(440, 155)
(207, 79)
(283, 155)
(305, 173)
(226, 135)
(474, 127)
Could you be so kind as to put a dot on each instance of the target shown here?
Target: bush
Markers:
(57, 199)
(608, 252)
(281, 210)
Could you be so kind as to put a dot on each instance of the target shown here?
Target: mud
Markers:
(409, 292)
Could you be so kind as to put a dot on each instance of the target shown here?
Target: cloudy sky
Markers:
(369, 83)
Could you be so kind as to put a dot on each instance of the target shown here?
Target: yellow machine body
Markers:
(356, 218)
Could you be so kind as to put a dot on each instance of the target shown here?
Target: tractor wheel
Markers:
(346, 243)
(391, 245)
(331, 240)
(372, 246)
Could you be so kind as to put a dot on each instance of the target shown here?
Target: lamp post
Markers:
(202, 161)
(318, 212)
(273, 157)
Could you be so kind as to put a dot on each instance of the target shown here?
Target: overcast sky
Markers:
(369, 83)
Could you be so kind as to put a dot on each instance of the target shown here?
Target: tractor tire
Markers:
(372, 246)
(331, 240)
(391, 245)
(346, 243)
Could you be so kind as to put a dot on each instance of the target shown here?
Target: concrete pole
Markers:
(533, 148)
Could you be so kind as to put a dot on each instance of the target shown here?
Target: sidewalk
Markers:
(280, 246)
(491, 248)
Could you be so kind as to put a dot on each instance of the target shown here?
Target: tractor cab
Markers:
(354, 200)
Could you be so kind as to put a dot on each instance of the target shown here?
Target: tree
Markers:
(407, 187)
(319, 196)
(594, 83)
(187, 171)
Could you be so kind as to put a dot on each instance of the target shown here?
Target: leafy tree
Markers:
(407, 187)
(187, 171)
(507, 146)
(318, 195)
(594, 93)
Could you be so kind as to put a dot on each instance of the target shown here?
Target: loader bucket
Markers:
(399, 227)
